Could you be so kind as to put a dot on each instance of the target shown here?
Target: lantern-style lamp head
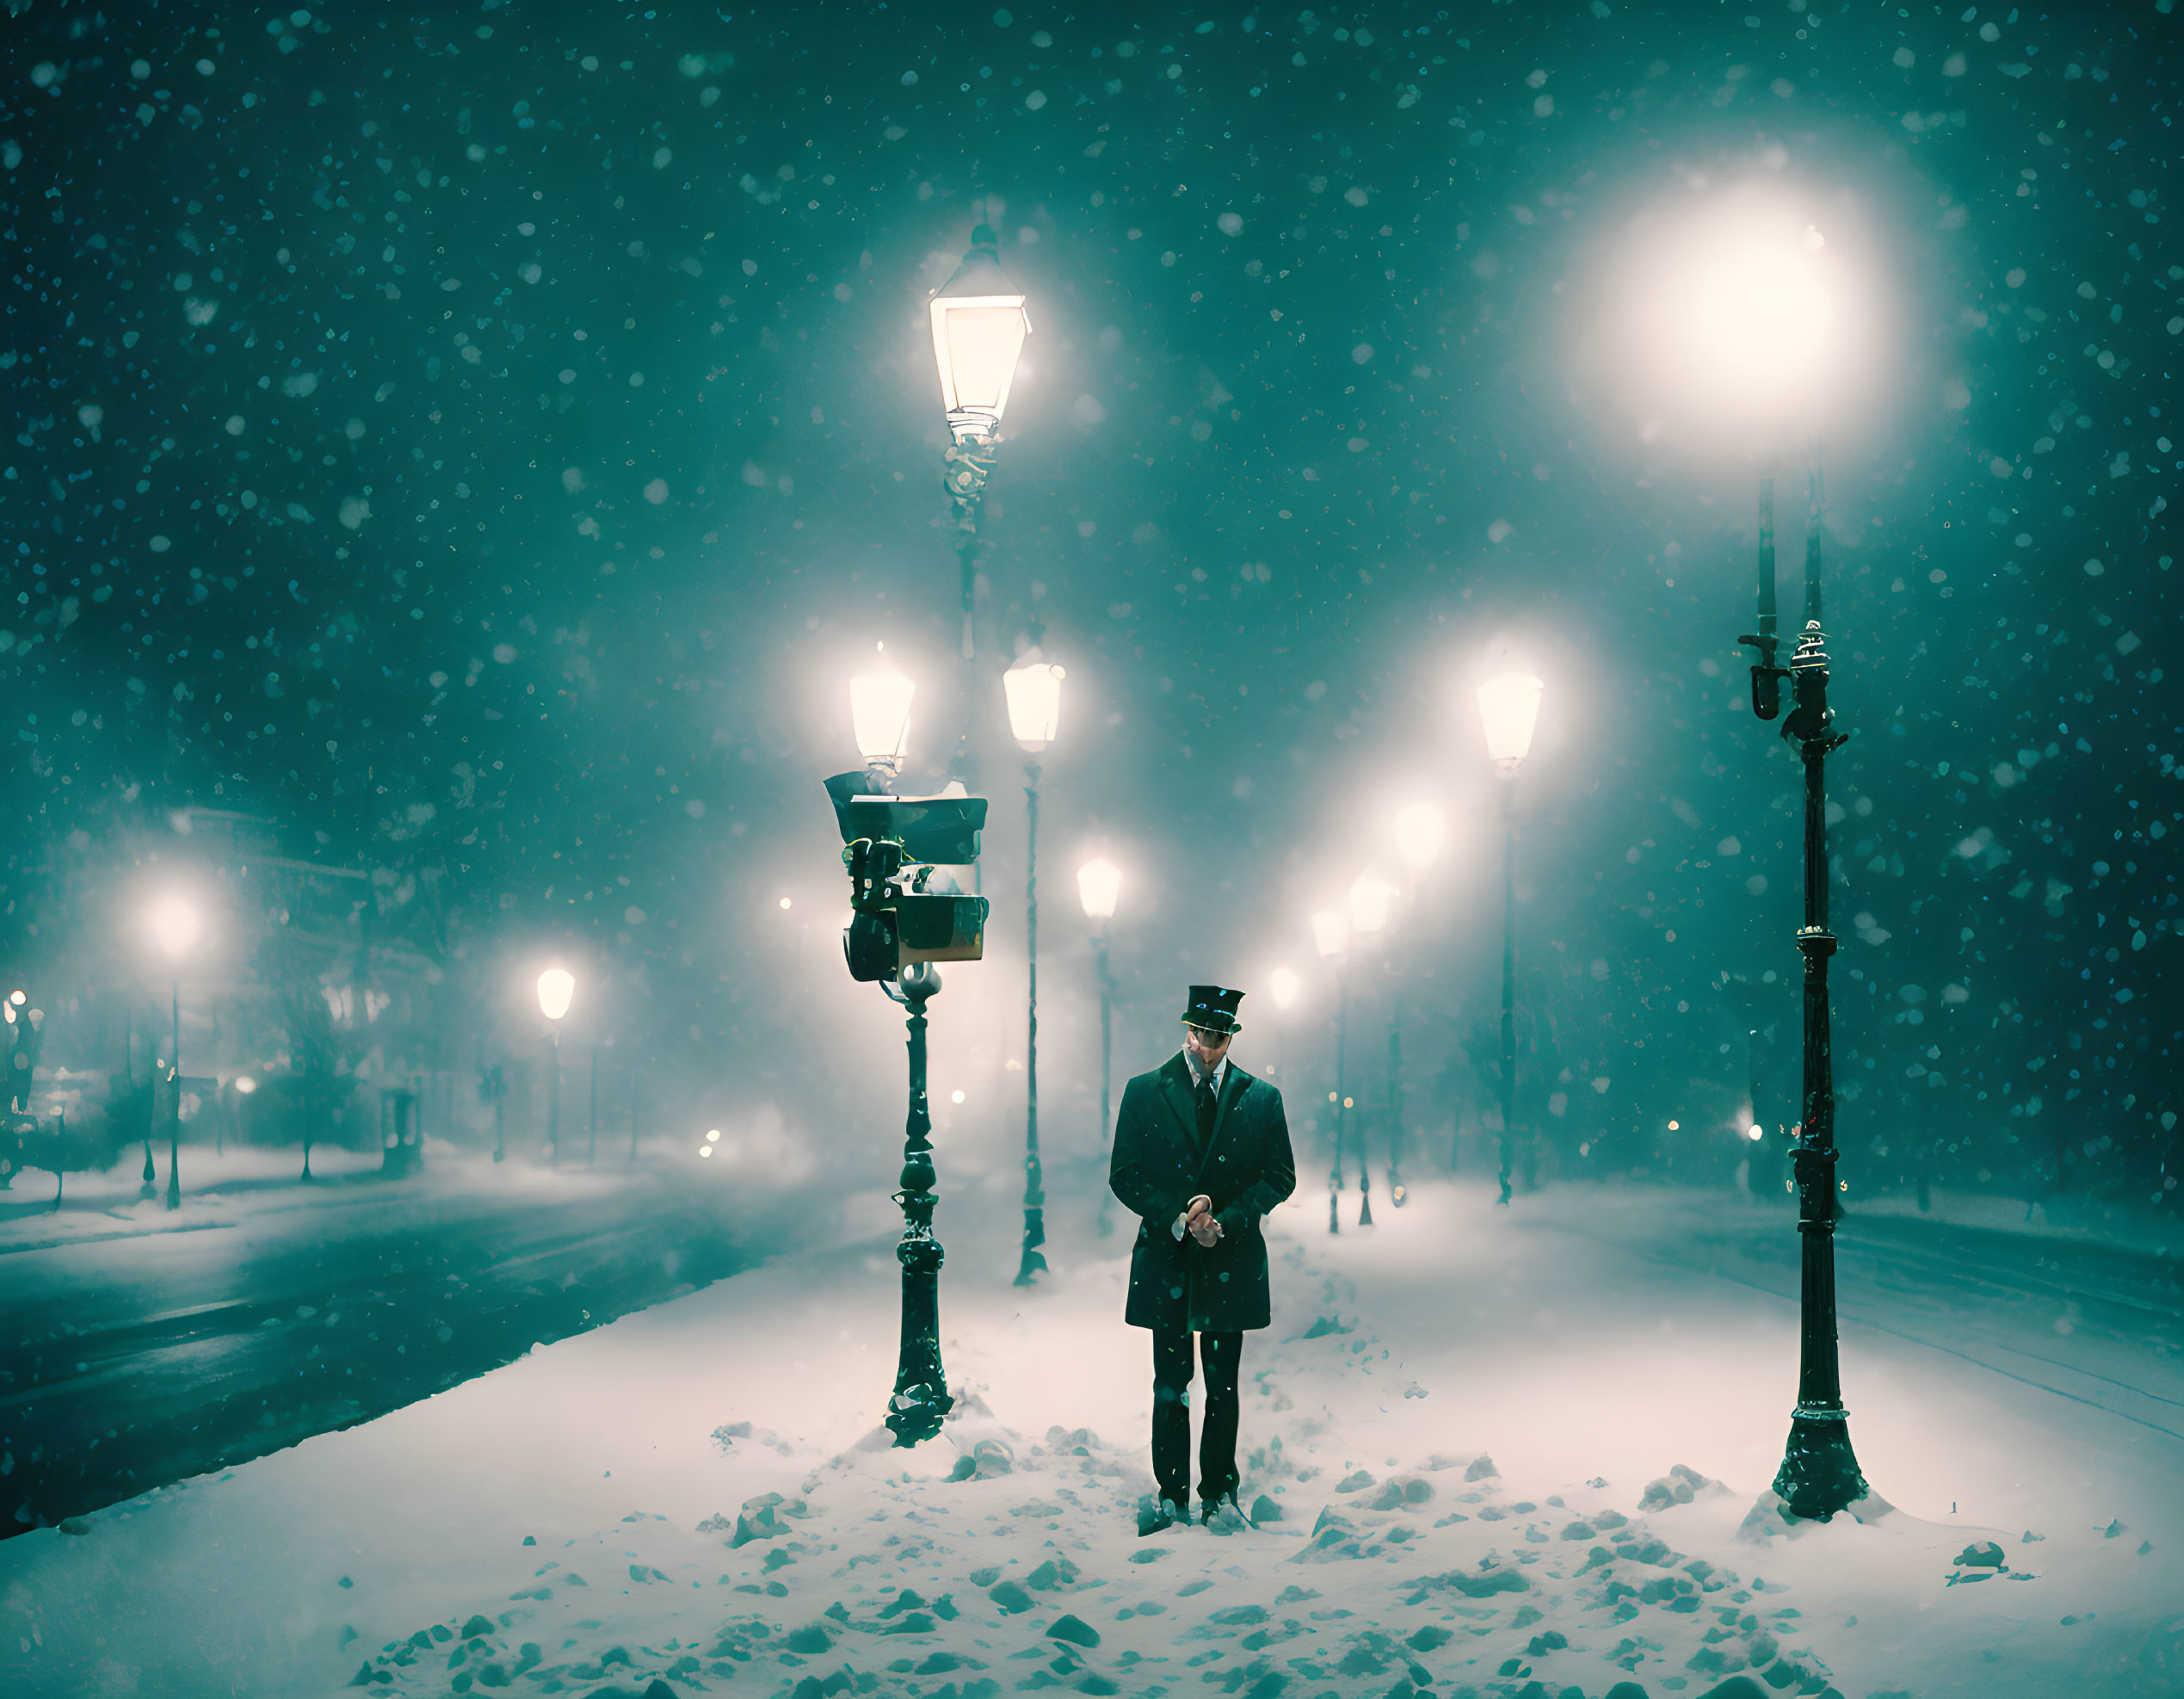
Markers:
(175, 926)
(1510, 707)
(1099, 882)
(1034, 691)
(978, 329)
(1330, 932)
(557, 989)
(1369, 898)
(1419, 830)
(879, 706)
(1285, 985)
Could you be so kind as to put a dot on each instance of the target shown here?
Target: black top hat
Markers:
(1212, 1008)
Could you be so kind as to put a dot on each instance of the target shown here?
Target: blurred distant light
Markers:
(175, 925)
(1033, 687)
(1285, 985)
(785, 902)
(1755, 1133)
(713, 1137)
(245, 1084)
(1370, 896)
(1330, 932)
(1099, 882)
(955, 1096)
(705, 1150)
(1510, 707)
(557, 988)
(1674, 1125)
(1419, 830)
(18, 998)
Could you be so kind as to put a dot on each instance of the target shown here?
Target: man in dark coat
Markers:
(1202, 1154)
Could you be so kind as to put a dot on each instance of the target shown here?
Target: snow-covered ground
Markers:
(1471, 1422)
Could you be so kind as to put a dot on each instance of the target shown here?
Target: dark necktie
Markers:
(1208, 1105)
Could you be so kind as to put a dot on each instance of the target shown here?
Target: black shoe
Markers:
(1155, 1515)
(1223, 1516)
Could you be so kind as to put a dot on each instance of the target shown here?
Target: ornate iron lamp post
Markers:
(1033, 688)
(899, 928)
(1510, 705)
(1819, 1473)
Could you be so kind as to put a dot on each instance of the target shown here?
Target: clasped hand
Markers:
(1198, 1221)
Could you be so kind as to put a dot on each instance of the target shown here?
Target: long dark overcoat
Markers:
(1245, 1169)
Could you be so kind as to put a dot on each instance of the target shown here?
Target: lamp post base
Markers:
(1819, 1475)
(921, 1401)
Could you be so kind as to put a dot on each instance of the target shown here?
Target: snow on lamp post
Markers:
(1371, 897)
(1509, 706)
(1331, 938)
(175, 925)
(1034, 689)
(557, 990)
(978, 325)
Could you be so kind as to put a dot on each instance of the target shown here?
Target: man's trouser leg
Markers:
(1220, 1355)
(1171, 1417)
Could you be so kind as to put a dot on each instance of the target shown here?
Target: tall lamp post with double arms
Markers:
(1748, 327)
(1033, 687)
(1510, 707)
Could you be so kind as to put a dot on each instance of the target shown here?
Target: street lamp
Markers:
(1419, 831)
(1819, 1473)
(557, 988)
(1510, 708)
(1755, 326)
(175, 926)
(1034, 688)
(1370, 897)
(1099, 883)
(978, 325)
(1331, 938)
(897, 930)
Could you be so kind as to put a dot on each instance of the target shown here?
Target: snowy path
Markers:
(1474, 1433)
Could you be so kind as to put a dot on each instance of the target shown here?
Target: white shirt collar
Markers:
(1220, 1072)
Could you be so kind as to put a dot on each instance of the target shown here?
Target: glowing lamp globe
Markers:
(1330, 932)
(1510, 707)
(1098, 884)
(1370, 896)
(557, 989)
(879, 706)
(1033, 687)
(175, 926)
(978, 329)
